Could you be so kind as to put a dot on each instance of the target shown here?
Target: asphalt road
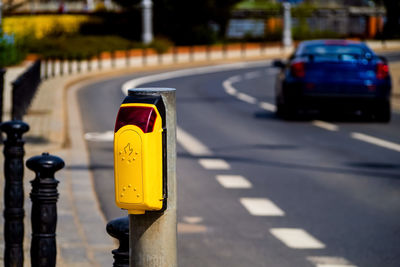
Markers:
(288, 193)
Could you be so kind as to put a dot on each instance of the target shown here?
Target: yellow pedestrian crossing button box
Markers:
(140, 155)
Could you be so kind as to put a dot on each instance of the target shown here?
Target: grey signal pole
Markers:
(152, 236)
(147, 19)
(287, 24)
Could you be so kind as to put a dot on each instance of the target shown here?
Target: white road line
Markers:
(229, 89)
(268, 106)
(246, 98)
(376, 141)
(325, 125)
(134, 83)
(233, 181)
(319, 261)
(296, 238)
(252, 75)
(100, 137)
(261, 207)
(192, 219)
(191, 144)
(214, 164)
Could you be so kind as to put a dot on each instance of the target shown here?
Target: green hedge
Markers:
(11, 52)
(83, 47)
(78, 47)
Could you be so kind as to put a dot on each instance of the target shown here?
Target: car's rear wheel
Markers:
(285, 112)
(383, 112)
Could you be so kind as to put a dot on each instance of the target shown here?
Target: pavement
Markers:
(56, 127)
(395, 71)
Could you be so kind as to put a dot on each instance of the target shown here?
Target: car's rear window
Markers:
(332, 50)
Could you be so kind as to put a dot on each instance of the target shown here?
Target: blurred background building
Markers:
(338, 18)
(57, 6)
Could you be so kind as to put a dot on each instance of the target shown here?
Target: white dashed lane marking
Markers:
(100, 137)
(261, 207)
(233, 181)
(267, 106)
(192, 219)
(376, 141)
(321, 261)
(227, 84)
(325, 125)
(214, 164)
(191, 144)
(296, 238)
(246, 98)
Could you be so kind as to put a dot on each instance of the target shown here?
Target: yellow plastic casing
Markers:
(138, 170)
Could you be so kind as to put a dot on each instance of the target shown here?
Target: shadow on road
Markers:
(358, 169)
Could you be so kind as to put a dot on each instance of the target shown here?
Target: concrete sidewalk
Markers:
(56, 128)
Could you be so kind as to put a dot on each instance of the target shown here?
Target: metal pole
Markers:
(90, 5)
(287, 24)
(153, 235)
(108, 4)
(147, 21)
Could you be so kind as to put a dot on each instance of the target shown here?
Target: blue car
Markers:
(334, 76)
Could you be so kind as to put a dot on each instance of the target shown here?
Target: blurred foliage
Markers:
(259, 4)
(301, 34)
(302, 31)
(161, 45)
(11, 51)
(304, 10)
(40, 26)
(78, 47)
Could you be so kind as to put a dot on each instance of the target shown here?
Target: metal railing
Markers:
(24, 89)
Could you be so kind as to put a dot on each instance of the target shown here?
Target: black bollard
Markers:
(44, 197)
(89, 64)
(78, 65)
(46, 68)
(61, 66)
(119, 229)
(53, 63)
(14, 192)
(69, 66)
(2, 73)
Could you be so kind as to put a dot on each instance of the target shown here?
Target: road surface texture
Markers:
(255, 190)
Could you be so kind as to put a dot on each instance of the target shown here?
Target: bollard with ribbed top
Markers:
(14, 192)
(119, 229)
(44, 197)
